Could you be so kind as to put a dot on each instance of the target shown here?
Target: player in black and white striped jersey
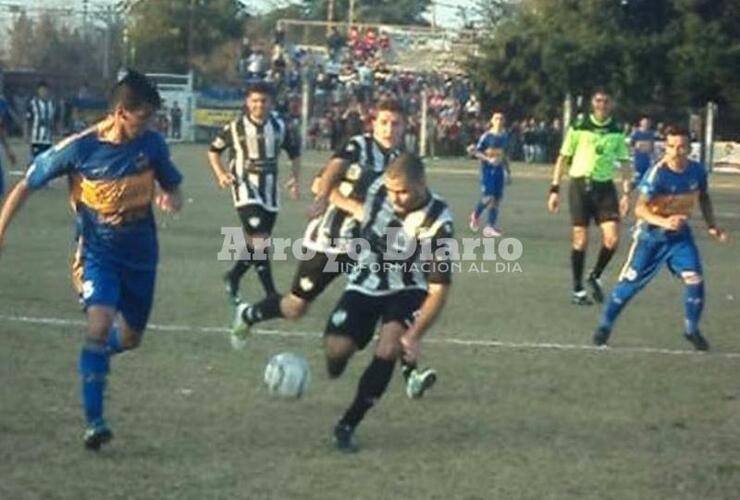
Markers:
(254, 141)
(402, 282)
(342, 184)
(41, 115)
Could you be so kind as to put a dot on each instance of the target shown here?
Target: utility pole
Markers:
(330, 14)
(191, 34)
(351, 14)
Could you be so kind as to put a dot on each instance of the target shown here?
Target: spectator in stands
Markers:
(335, 42)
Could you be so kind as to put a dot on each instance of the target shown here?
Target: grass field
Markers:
(523, 409)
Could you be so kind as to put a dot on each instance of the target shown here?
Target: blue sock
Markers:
(114, 345)
(619, 298)
(694, 302)
(479, 208)
(94, 366)
(492, 216)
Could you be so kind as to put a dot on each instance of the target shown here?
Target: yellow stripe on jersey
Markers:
(673, 204)
(494, 154)
(117, 197)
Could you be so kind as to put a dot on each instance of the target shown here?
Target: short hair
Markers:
(260, 87)
(407, 166)
(389, 103)
(676, 130)
(42, 83)
(134, 91)
(600, 90)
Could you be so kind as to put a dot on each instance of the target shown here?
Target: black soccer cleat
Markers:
(96, 436)
(344, 438)
(601, 336)
(580, 298)
(697, 340)
(231, 284)
(597, 291)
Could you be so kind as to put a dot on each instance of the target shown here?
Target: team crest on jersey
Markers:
(306, 284)
(630, 274)
(254, 221)
(339, 317)
(88, 288)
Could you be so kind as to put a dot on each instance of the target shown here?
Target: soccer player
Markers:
(117, 163)
(41, 119)
(4, 114)
(668, 194)
(254, 141)
(491, 151)
(592, 147)
(400, 218)
(339, 190)
(642, 142)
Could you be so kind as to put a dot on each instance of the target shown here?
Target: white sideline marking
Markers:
(446, 341)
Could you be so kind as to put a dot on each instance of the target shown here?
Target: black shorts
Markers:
(356, 315)
(592, 200)
(312, 276)
(37, 149)
(256, 220)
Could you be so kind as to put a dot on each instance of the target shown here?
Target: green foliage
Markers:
(371, 11)
(657, 56)
(160, 31)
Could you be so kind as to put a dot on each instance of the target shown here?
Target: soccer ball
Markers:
(287, 375)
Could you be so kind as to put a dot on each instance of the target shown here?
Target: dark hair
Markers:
(407, 166)
(134, 91)
(42, 83)
(260, 87)
(676, 130)
(602, 91)
(389, 103)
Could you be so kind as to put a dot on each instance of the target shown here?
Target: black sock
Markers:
(577, 261)
(240, 268)
(407, 369)
(264, 271)
(269, 308)
(605, 255)
(373, 384)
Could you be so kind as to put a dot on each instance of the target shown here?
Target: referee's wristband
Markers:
(554, 188)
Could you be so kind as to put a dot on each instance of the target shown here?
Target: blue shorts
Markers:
(129, 291)
(642, 164)
(649, 252)
(492, 181)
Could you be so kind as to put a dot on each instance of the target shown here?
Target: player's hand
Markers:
(317, 207)
(553, 203)
(293, 188)
(675, 222)
(471, 150)
(715, 232)
(169, 203)
(624, 205)
(410, 345)
(226, 179)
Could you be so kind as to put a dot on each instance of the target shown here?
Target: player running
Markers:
(668, 194)
(592, 147)
(491, 151)
(340, 189)
(400, 216)
(254, 141)
(642, 142)
(116, 164)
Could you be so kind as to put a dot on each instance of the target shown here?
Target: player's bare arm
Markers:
(224, 178)
(293, 182)
(428, 313)
(352, 206)
(707, 211)
(327, 182)
(15, 200)
(553, 199)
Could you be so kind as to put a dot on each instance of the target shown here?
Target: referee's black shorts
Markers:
(588, 199)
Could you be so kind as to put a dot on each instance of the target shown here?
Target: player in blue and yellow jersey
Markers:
(116, 166)
(668, 194)
(491, 151)
(4, 115)
(642, 143)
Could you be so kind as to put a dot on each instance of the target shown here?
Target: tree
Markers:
(372, 11)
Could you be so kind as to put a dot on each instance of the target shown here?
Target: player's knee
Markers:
(293, 307)
(611, 241)
(580, 238)
(388, 348)
(692, 278)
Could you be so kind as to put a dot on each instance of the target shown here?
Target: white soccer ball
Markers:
(287, 375)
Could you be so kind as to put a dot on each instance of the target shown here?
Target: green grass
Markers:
(193, 419)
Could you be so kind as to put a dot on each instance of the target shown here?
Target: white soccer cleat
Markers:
(491, 232)
(474, 222)
(239, 328)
